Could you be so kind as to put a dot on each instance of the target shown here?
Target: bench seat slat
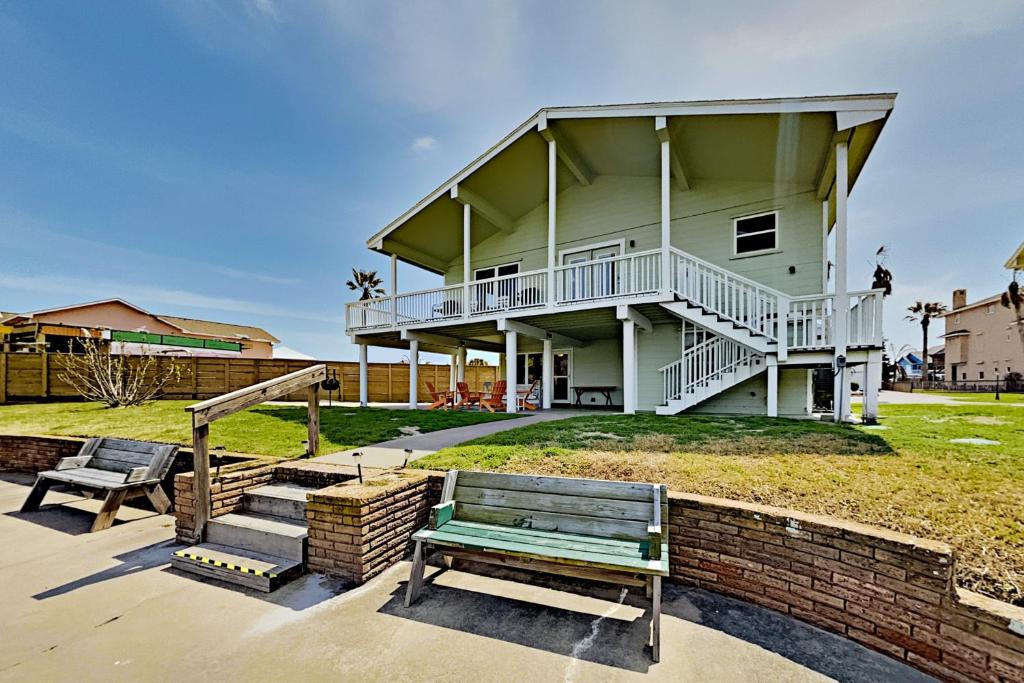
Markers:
(546, 521)
(578, 505)
(86, 477)
(636, 563)
(540, 533)
(553, 539)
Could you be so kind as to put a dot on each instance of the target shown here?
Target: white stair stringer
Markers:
(706, 370)
(723, 328)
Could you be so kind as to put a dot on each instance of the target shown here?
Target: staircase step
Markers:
(278, 500)
(267, 534)
(237, 566)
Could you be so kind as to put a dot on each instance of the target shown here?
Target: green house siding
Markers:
(655, 350)
(750, 397)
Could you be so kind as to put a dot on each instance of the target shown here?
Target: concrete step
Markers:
(280, 500)
(237, 566)
(267, 534)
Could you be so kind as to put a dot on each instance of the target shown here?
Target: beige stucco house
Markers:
(131, 328)
(983, 340)
(673, 254)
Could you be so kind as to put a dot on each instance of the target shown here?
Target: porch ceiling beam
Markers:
(415, 256)
(453, 343)
(506, 325)
(568, 154)
(483, 207)
(623, 312)
(675, 157)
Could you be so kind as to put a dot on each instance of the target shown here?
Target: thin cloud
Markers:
(424, 144)
(148, 296)
(258, 277)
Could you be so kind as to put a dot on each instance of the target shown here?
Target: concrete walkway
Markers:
(107, 607)
(393, 453)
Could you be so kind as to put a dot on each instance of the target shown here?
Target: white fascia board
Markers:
(796, 105)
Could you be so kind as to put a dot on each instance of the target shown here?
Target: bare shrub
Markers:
(116, 380)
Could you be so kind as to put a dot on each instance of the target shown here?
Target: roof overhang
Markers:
(510, 177)
(1016, 261)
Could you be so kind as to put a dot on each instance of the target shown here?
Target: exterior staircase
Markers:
(706, 370)
(262, 547)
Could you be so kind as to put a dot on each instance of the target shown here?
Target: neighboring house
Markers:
(133, 329)
(912, 362)
(673, 252)
(983, 339)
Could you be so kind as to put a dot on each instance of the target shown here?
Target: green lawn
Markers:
(974, 397)
(265, 430)
(906, 475)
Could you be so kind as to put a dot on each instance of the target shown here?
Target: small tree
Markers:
(366, 283)
(923, 312)
(116, 380)
(1014, 298)
(882, 278)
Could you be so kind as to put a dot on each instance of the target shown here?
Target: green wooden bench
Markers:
(608, 531)
(119, 467)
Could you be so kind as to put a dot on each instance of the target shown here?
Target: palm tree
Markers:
(366, 283)
(924, 312)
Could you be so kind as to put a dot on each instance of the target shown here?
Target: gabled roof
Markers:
(209, 328)
(849, 112)
(1016, 261)
(112, 300)
(981, 302)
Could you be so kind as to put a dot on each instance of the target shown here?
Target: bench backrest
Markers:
(590, 507)
(123, 455)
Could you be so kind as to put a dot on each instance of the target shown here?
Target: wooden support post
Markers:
(200, 479)
(44, 363)
(313, 405)
(3, 377)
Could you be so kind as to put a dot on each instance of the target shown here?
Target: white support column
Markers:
(872, 385)
(666, 216)
(461, 377)
(824, 247)
(414, 371)
(809, 393)
(547, 388)
(394, 289)
(552, 213)
(467, 219)
(841, 305)
(628, 367)
(453, 371)
(773, 386)
(364, 388)
(511, 339)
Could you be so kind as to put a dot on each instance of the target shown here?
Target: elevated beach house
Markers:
(673, 254)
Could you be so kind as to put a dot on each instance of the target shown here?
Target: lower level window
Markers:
(756, 233)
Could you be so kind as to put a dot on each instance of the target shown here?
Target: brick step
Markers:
(267, 534)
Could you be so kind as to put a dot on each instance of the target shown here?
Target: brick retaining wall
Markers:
(889, 591)
(356, 532)
(35, 453)
(225, 493)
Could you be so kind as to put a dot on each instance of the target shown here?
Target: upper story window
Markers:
(757, 233)
(956, 320)
(990, 309)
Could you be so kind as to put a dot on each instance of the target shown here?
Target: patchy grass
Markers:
(906, 476)
(974, 397)
(265, 429)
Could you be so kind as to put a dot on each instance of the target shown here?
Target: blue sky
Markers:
(227, 160)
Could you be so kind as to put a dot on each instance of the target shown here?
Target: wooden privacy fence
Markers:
(34, 377)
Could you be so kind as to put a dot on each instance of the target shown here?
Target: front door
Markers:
(530, 368)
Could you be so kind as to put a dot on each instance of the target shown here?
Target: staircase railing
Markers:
(702, 364)
(733, 297)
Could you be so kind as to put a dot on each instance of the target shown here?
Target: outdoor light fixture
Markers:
(218, 454)
(408, 454)
(357, 455)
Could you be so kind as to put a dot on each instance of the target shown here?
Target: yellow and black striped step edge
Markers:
(225, 565)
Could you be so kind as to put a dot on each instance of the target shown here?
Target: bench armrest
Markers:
(654, 539)
(136, 474)
(73, 462)
(441, 514)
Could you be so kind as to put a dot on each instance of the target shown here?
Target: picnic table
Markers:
(604, 390)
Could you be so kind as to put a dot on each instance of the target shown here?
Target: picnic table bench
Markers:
(121, 467)
(608, 531)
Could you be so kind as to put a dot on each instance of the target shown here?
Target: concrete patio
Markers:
(107, 606)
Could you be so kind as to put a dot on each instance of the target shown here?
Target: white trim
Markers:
(554, 352)
(620, 243)
(760, 252)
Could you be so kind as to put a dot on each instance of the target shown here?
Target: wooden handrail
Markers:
(205, 412)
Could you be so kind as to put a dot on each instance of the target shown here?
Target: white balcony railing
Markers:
(607, 278)
(802, 322)
(508, 292)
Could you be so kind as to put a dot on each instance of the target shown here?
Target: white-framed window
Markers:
(755, 234)
(488, 272)
(990, 309)
(957, 319)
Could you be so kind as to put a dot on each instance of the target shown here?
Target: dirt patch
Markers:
(988, 420)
